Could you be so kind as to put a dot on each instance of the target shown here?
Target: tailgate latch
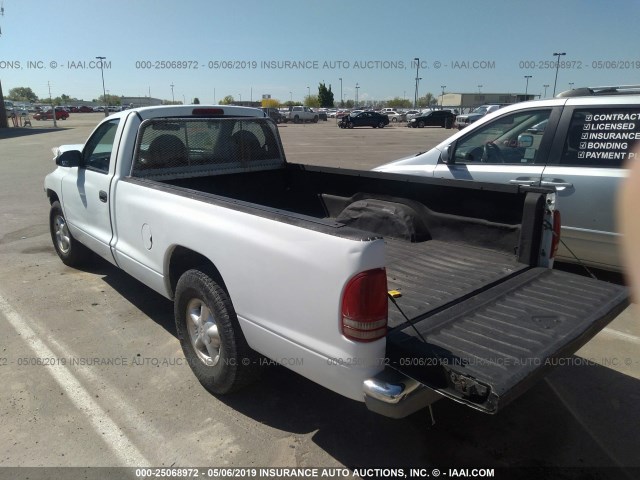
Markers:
(468, 386)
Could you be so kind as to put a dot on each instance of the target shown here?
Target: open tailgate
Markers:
(491, 347)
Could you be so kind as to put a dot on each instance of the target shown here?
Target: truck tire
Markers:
(210, 334)
(71, 252)
(296, 119)
(315, 119)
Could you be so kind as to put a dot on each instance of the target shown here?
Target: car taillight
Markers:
(555, 242)
(365, 306)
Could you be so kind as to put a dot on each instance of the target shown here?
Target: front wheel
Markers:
(210, 334)
(71, 252)
(420, 124)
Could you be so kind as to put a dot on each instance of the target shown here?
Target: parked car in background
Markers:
(322, 115)
(61, 114)
(274, 114)
(409, 114)
(364, 119)
(297, 114)
(577, 143)
(395, 116)
(477, 113)
(85, 109)
(433, 118)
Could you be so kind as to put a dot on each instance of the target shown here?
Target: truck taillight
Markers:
(555, 242)
(365, 306)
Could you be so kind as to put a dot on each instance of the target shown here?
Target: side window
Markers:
(511, 139)
(97, 151)
(599, 137)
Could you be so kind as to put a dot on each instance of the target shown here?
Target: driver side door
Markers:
(513, 148)
(86, 194)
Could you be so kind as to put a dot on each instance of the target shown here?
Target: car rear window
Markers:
(601, 137)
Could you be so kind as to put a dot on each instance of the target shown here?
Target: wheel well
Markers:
(183, 259)
(53, 196)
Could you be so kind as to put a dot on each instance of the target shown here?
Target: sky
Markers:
(285, 48)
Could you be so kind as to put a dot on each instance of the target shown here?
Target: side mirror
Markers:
(446, 155)
(70, 158)
(525, 140)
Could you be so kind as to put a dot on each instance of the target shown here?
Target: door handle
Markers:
(556, 183)
(102, 196)
(522, 181)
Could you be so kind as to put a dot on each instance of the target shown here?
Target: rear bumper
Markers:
(395, 395)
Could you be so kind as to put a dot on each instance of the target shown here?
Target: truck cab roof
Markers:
(193, 111)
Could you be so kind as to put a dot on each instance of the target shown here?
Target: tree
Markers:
(311, 101)
(108, 99)
(228, 100)
(349, 104)
(270, 103)
(22, 94)
(398, 102)
(291, 103)
(196, 101)
(325, 96)
(427, 101)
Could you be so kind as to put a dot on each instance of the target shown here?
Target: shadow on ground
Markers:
(26, 131)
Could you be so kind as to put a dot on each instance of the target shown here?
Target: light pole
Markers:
(557, 68)
(104, 91)
(526, 88)
(442, 97)
(479, 87)
(341, 101)
(357, 87)
(415, 97)
(570, 85)
(173, 98)
(308, 94)
(545, 90)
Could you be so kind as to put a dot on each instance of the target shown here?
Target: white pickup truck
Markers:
(389, 289)
(300, 114)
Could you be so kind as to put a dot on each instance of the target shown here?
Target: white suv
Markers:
(577, 142)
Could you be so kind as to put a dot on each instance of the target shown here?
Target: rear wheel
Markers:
(381, 125)
(210, 334)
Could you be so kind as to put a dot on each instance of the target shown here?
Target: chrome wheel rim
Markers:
(203, 332)
(63, 239)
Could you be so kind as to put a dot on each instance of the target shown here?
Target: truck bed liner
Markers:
(431, 274)
(488, 349)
